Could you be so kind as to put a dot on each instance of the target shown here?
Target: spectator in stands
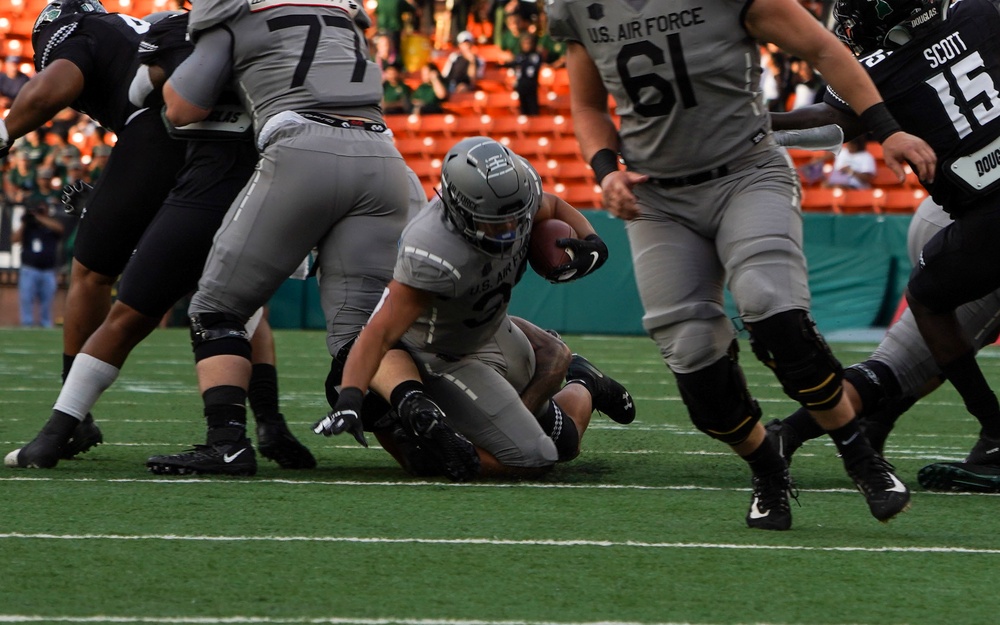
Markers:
(854, 167)
(509, 38)
(809, 86)
(63, 152)
(98, 160)
(34, 145)
(19, 181)
(464, 68)
(553, 52)
(431, 92)
(527, 64)
(395, 92)
(11, 80)
(389, 19)
(382, 51)
(460, 11)
(39, 235)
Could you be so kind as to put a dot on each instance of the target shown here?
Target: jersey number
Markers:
(967, 93)
(490, 303)
(314, 24)
(635, 84)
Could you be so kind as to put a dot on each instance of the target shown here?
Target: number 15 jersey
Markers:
(685, 77)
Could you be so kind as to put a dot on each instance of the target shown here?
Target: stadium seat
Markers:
(422, 147)
(497, 103)
(901, 200)
(818, 199)
(856, 201)
(579, 194)
(510, 125)
(885, 178)
(574, 171)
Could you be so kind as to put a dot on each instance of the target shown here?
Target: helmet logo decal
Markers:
(882, 9)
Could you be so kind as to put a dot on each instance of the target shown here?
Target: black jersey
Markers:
(104, 46)
(943, 87)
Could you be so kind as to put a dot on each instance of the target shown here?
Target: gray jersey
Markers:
(685, 78)
(472, 288)
(316, 58)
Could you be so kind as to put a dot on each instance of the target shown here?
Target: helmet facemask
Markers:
(489, 194)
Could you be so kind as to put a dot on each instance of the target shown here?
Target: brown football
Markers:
(543, 253)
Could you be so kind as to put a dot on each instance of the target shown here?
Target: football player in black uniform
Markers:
(85, 58)
(937, 65)
(168, 261)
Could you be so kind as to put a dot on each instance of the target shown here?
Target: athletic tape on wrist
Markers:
(880, 122)
(604, 162)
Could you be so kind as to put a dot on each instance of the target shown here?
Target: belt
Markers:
(341, 122)
(693, 179)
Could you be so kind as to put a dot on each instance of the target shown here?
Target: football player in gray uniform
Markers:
(711, 202)
(447, 305)
(328, 177)
(901, 371)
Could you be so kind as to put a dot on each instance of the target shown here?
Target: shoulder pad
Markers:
(562, 27)
(208, 13)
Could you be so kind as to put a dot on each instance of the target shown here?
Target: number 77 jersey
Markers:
(295, 55)
(943, 87)
(685, 78)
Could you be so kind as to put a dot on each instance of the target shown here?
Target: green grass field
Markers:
(646, 526)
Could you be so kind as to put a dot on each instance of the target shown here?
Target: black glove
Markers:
(345, 416)
(74, 197)
(588, 256)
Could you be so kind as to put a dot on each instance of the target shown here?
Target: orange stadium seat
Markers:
(901, 200)
(579, 194)
(818, 199)
(574, 172)
(510, 125)
(855, 201)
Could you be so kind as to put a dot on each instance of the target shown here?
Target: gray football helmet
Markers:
(489, 193)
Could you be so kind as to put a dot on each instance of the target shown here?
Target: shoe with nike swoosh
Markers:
(221, 458)
(886, 495)
(769, 507)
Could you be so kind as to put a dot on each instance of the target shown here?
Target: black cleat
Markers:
(222, 458)
(886, 495)
(277, 443)
(607, 395)
(960, 477)
(48, 447)
(769, 507)
(986, 451)
(415, 458)
(85, 436)
(457, 457)
(783, 438)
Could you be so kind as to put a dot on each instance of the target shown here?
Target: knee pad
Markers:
(562, 430)
(718, 401)
(875, 383)
(217, 334)
(789, 345)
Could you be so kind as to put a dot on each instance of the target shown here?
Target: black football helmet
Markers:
(870, 25)
(58, 8)
(489, 193)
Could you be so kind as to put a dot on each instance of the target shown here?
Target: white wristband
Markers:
(4, 135)
(141, 86)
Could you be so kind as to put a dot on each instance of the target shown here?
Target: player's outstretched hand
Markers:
(345, 416)
(588, 255)
(616, 189)
(902, 146)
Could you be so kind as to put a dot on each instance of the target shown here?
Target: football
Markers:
(543, 253)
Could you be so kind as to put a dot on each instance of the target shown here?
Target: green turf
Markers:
(646, 526)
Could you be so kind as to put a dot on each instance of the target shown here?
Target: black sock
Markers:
(225, 412)
(803, 425)
(67, 365)
(980, 400)
(851, 443)
(403, 390)
(765, 460)
(263, 392)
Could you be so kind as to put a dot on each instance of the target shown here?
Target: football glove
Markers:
(588, 255)
(74, 197)
(345, 416)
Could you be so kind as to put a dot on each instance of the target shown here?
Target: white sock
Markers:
(87, 379)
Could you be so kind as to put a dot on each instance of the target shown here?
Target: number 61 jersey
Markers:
(943, 87)
(685, 78)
